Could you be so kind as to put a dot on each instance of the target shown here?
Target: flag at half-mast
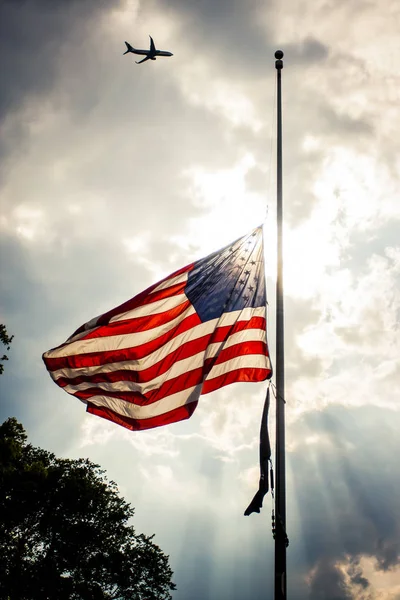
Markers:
(146, 362)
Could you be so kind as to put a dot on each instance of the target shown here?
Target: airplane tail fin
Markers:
(129, 48)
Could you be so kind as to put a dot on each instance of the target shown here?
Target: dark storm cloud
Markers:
(308, 51)
(328, 582)
(15, 268)
(346, 484)
(28, 308)
(32, 34)
(343, 124)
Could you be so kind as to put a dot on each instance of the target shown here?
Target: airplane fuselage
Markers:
(150, 54)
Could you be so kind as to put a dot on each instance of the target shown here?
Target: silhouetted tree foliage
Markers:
(65, 532)
(6, 340)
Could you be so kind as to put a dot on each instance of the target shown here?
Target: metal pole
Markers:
(280, 484)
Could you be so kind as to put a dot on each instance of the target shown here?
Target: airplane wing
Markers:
(152, 45)
(141, 61)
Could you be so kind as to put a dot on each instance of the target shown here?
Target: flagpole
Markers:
(280, 483)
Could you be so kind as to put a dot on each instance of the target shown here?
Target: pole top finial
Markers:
(279, 61)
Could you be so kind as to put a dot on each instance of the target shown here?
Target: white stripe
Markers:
(154, 308)
(179, 367)
(170, 282)
(131, 340)
(249, 361)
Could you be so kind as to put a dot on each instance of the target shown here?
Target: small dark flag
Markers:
(265, 456)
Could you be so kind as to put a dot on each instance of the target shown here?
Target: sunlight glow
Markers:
(29, 222)
(137, 244)
(311, 143)
(230, 210)
(122, 13)
(354, 192)
(365, 190)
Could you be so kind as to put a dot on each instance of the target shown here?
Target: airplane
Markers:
(150, 54)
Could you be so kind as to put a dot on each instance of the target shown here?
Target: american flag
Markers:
(146, 362)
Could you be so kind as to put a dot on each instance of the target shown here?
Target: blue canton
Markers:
(230, 279)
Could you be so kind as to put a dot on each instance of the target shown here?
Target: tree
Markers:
(6, 340)
(65, 531)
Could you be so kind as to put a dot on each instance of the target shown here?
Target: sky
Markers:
(113, 175)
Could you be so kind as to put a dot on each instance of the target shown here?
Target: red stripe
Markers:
(138, 324)
(177, 414)
(136, 301)
(240, 349)
(185, 351)
(243, 374)
(180, 382)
